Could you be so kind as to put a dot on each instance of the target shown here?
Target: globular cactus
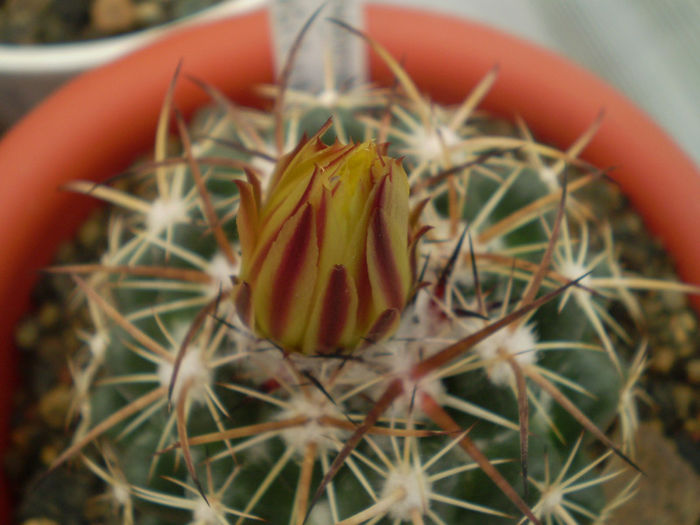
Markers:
(358, 308)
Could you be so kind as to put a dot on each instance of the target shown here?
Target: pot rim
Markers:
(63, 58)
(558, 99)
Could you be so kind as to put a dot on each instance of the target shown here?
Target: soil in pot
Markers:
(46, 339)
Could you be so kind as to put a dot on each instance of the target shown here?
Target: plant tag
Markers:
(324, 45)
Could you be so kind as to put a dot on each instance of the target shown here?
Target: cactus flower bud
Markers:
(328, 253)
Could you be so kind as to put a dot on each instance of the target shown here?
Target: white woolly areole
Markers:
(264, 362)
(193, 371)
(549, 177)
(313, 407)
(573, 271)
(98, 345)
(259, 364)
(164, 213)
(221, 270)
(409, 403)
(328, 98)
(205, 513)
(518, 343)
(321, 514)
(120, 493)
(550, 500)
(415, 487)
(423, 319)
(428, 145)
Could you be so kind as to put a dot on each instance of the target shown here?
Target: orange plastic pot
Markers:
(98, 123)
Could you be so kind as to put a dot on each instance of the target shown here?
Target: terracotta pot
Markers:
(97, 124)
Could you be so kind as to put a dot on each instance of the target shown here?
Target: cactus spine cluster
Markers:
(473, 400)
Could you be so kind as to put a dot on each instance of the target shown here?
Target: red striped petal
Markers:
(289, 275)
(381, 262)
(336, 309)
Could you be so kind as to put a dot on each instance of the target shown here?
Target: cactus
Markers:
(404, 318)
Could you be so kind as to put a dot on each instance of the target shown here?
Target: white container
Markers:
(28, 73)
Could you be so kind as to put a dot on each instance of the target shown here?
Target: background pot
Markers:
(28, 73)
(98, 123)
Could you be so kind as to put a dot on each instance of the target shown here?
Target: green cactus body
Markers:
(263, 426)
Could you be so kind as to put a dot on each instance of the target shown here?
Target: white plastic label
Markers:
(345, 50)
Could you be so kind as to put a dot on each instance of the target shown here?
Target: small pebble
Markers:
(48, 454)
(49, 315)
(678, 330)
(150, 13)
(53, 406)
(693, 371)
(663, 360)
(113, 16)
(22, 437)
(27, 333)
(682, 399)
(692, 427)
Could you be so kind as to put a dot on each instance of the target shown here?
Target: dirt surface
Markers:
(668, 492)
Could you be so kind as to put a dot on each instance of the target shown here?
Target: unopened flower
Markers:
(328, 252)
